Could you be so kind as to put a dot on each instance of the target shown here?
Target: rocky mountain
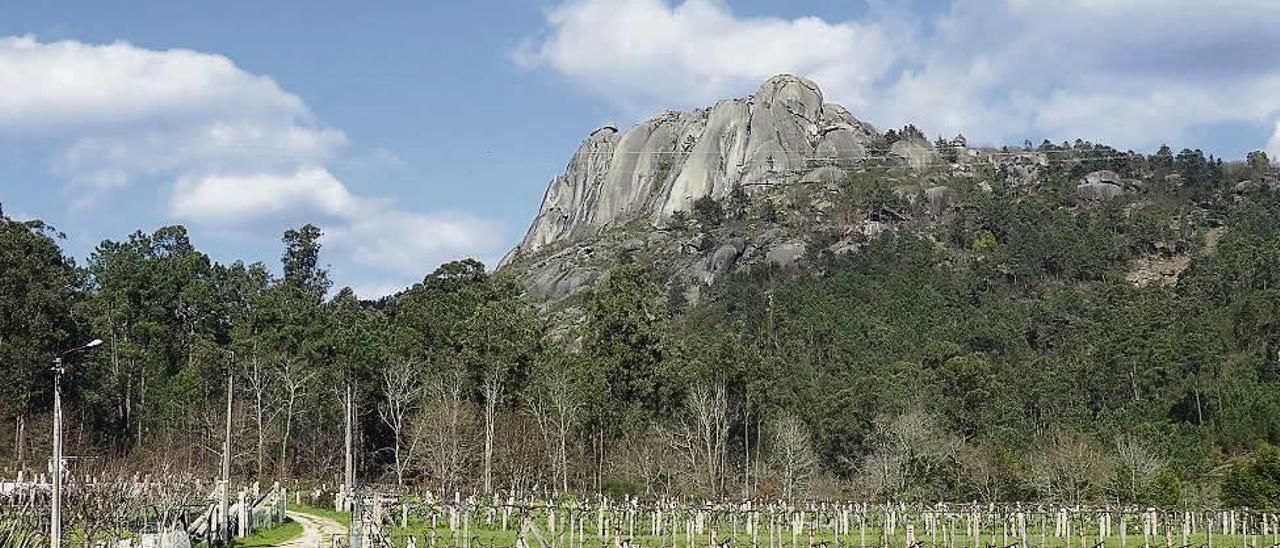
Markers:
(776, 177)
(783, 134)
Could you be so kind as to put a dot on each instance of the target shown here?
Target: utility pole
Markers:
(55, 510)
(55, 530)
(224, 505)
(349, 470)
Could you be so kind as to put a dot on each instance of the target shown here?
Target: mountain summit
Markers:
(629, 189)
(667, 162)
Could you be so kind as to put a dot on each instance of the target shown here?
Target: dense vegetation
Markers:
(997, 352)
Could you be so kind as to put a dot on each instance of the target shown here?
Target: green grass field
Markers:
(487, 536)
(286, 531)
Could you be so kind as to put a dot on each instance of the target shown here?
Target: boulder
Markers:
(824, 175)
(1099, 191)
(1247, 187)
(1103, 176)
(633, 245)
(917, 153)
(786, 253)
(940, 199)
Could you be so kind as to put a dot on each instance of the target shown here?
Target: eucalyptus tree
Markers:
(39, 288)
(501, 338)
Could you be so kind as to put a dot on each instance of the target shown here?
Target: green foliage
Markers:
(1254, 483)
(623, 335)
(708, 212)
(39, 287)
(738, 202)
(679, 220)
(1258, 160)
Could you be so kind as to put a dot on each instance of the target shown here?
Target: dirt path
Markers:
(317, 532)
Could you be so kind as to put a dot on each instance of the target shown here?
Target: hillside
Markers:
(781, 177)
(899, 293)
(767, 298)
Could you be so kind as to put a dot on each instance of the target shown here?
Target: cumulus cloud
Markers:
(238, 199)
(1273, 146)
(130, 112)
(646, 52)
(70, 84)
(1133, 73)
(231, 151)
(380, 240)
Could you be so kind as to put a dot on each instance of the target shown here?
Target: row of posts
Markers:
(848, 524)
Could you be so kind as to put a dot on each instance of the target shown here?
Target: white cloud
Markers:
(378, 290)
(1273, 146)
(130, 112)
(1134, 73)
(642, 53)
(232, 151)
(70, 84)
(107, 161)
(240, 199)
(411, 243)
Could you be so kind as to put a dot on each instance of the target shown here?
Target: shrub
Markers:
(708, 212)
(1254, 483)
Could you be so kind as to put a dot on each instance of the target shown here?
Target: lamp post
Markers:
(224, 523)
(55, 528)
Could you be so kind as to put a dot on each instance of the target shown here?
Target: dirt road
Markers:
(317, 532)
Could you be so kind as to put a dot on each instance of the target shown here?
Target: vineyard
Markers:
(174, 511)
(493, 521)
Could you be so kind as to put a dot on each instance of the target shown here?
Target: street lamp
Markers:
(55, 528)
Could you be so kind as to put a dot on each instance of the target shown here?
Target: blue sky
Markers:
(417, 132)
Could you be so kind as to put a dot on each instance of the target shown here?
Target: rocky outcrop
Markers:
(666, 163)
(1104, 185)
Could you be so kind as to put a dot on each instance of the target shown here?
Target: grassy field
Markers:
(286, 531)
(782, 537)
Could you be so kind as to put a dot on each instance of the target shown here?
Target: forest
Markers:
(999, 354)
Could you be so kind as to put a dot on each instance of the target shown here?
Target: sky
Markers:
(418, 132)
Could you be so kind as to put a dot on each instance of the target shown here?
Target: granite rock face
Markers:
(667, 162)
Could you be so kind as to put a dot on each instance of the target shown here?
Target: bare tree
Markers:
(1138, 464)
(793, 454)
(263, 406)
(705, 432)
(445, 426)
(907, 449)
(101, 501)
(646, 454)
(293, 383)
(1068, 467)
(982, 470)
(492, 387)
(555, 401)
(402, 393)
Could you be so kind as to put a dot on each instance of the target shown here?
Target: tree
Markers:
(302, 261)
(402, 398)
(1068, 467)
(1258, 161)
(555, 398)
(738, 202)
(39, 286)
(1139, 466)
(293, 381)
(499, 340)
(708, 212)
(1254, 482)
(792, 455)
(445, 424)
(705, 434)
